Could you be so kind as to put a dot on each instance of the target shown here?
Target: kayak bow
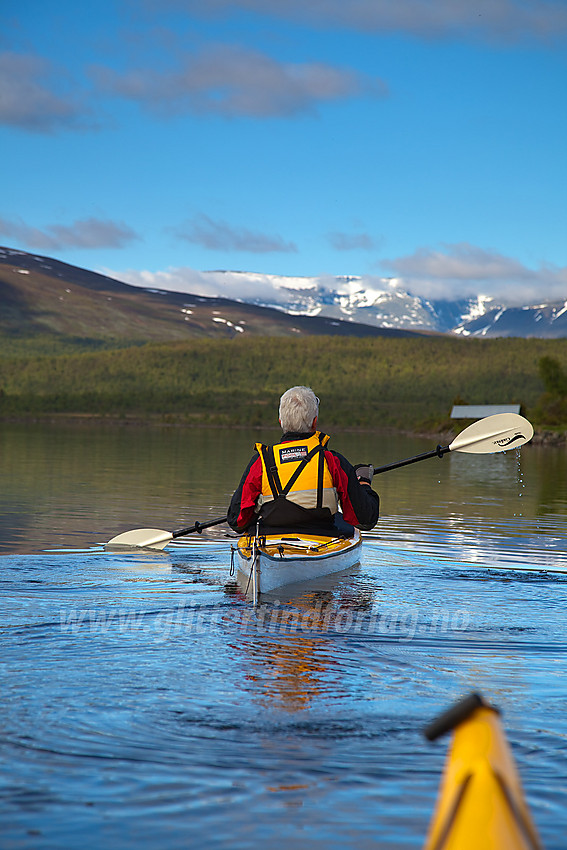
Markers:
(481, 805)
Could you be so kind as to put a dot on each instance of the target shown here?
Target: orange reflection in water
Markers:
(289, 649)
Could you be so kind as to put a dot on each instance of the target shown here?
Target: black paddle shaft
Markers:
(438, 452)
(198, 527)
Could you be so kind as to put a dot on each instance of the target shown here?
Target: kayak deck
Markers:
(275, 560)
(481, 803)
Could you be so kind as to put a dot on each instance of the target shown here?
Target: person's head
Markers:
(299, 409)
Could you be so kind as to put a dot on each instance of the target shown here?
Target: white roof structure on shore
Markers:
(479, 411)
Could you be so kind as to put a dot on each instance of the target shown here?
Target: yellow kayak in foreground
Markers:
(481, 805)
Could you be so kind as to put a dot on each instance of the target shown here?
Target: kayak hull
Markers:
(286, 559)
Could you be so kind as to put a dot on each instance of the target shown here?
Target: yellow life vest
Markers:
(297, 486)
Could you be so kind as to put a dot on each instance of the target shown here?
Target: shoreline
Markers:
(541, 437)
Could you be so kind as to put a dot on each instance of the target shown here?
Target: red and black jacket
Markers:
(359, 503)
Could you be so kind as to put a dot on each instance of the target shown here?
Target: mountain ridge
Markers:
(40, 294)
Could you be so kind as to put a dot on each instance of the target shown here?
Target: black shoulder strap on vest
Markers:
(272, 471)
(323, 440)
(273, 475)
(320, 477)
(299, 469)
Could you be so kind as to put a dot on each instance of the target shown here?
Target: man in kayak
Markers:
(299, 483)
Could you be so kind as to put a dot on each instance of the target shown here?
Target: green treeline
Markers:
(369, 382)
(552, 404)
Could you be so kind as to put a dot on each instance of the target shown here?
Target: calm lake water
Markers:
(145, 703)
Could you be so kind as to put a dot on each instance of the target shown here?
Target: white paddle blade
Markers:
(496, 433)
(146, 538)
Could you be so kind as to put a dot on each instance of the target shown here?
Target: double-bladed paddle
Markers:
(496, 433)
(492, 434)
(154, 538)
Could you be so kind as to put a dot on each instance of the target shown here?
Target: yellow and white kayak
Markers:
(268, 562)
(481, 805)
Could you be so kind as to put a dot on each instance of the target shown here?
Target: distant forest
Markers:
(406, 384)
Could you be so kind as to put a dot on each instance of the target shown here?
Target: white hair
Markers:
(298, 408)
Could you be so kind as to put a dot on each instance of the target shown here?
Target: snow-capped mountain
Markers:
(380, 302)
(543, 320)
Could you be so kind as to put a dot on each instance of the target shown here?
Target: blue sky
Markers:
(420, 139)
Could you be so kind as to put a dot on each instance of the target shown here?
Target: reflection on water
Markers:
(75, 486)
(146, 702)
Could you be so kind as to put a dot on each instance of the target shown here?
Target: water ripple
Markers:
(146, 702)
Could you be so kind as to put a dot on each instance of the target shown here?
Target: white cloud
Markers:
(85, 233)
(28, 97)
(220, 236)
(237, 286)
(237, 81)
(505, 21)
(459, 271)
(352, 241)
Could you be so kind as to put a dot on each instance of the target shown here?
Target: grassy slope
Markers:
(367, 382)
